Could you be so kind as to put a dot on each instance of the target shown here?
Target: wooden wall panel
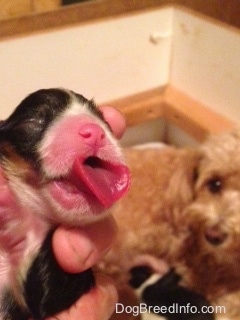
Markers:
(227, 11)
(17, 8)
(11, 9)
(45, 5)
(233, 13)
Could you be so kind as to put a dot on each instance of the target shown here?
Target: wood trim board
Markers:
(174, 106)
(222, 10)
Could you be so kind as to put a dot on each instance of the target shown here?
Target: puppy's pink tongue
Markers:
(107, 181)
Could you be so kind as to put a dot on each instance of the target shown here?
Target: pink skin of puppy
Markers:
(70, 172)
(76, 155)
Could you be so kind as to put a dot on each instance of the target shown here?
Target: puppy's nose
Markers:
(215, 235)
(92, 134)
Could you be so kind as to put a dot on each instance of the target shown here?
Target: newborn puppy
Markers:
(173, 300)
(59, 165)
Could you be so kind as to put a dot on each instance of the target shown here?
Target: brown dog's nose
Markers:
(215, 235)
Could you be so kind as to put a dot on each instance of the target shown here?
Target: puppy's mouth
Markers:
(105, 180)
(93, 184)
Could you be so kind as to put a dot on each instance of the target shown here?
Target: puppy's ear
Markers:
(181, 185)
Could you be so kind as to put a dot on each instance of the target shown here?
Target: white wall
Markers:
(105, 60)
(206, 62)
(114, 58)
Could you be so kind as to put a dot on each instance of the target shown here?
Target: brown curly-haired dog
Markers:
(184, 207)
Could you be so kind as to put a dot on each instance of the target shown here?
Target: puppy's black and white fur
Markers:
(168, 295)
(59, 165)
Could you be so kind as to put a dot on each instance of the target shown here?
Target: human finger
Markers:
(115, 119)
(77, 249)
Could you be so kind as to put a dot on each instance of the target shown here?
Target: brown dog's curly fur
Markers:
(184, 207)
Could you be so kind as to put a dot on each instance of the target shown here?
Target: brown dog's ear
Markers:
(181, 185)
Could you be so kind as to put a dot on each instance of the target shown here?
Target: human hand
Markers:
(79, 249)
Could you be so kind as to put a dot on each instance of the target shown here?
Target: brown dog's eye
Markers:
(214, 185)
